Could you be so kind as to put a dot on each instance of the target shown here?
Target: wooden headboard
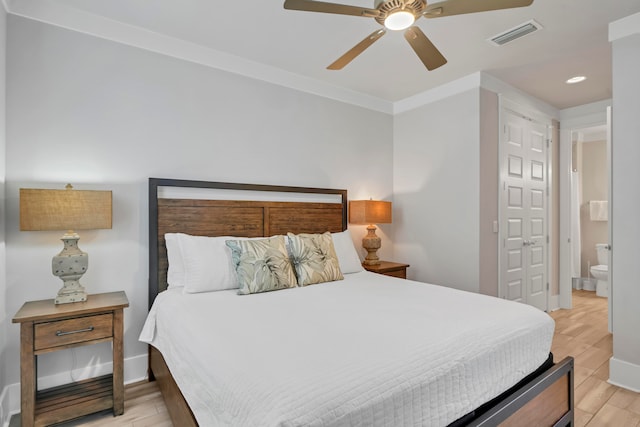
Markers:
(242, 218)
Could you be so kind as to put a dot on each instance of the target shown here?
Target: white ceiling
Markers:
(299, 45)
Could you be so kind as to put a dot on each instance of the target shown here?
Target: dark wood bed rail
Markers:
(546, 400)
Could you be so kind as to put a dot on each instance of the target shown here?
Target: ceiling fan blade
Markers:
(356, 50)
(341, 9)
(426, 51)
(459, 7)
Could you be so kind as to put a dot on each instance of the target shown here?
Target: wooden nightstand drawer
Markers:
(388, 268)
(397, 273)
(71, 331)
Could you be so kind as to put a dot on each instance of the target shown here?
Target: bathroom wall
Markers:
(593, 168)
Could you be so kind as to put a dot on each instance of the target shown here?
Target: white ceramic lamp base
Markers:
(69, 265)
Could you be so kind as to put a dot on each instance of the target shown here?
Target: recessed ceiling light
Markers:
(576, 79)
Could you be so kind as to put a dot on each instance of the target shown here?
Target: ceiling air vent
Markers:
(515, 33)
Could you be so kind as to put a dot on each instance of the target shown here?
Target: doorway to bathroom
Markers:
(586, 210)
(589, 210)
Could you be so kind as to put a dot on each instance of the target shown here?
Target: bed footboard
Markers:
(546, 400)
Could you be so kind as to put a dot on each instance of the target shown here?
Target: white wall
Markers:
(108, 116)
(4, 320)
(436, 173)
(625, 364)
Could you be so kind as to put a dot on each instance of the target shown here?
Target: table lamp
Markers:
(69, 210)
(370, 212)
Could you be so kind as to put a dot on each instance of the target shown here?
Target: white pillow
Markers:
(207, 263)
(175, 273)
(347, 256)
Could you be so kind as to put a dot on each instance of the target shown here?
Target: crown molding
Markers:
(73, 19)
(624, 27)
(478, 79)
(76, 20)
(493, 84)
(443, 91)
(583, 115)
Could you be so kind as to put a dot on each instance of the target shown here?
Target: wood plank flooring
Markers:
(143, 407)
(580, 332)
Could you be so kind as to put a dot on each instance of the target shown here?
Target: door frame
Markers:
(610, 215)
(594, 115)
(531, 113)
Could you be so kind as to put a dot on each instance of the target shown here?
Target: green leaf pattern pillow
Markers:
(262, 265)
(314, 258)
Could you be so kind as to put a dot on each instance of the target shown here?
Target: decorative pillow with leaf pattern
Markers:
(262, 265)
(314, 258)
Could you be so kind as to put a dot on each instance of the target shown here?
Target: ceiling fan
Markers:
(400, 15)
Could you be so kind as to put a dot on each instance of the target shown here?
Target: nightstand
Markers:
(46, 327)
(389, 269)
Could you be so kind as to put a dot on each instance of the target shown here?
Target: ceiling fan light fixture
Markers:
(399, 20)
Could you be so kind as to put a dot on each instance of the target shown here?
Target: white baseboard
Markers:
(554, 303)
(135, 369)
(5, 404)
(624, 374)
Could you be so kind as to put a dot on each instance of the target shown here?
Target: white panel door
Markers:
(523, 258)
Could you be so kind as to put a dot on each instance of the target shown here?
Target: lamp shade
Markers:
(64, 209)
(369, 212)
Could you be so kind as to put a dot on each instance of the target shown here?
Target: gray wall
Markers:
(625, 365)
(488, 187)
(436, 185)
(102, 115)
(446, 183)
(4, 319)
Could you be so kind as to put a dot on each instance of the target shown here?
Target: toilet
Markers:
(601, 271)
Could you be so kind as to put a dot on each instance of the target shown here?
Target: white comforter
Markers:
(370, 350)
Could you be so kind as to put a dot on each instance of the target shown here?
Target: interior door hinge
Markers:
(547, 238)
(548, 142)
(547, 286)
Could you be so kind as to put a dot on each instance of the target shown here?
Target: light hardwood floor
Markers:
(580, 332)
(143, 407)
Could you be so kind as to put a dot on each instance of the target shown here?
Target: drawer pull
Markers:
(61, 333)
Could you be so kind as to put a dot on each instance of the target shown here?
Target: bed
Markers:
(365, 350)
